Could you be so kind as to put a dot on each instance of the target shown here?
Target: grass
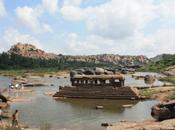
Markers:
(169, 79)
(8, 127)
(172, 96)
(45, 126)
(147, 92)
(23, 72)
(152, 68)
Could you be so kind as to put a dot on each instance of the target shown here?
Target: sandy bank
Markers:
(159, 93)
(145, 125)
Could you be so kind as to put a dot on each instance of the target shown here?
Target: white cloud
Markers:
(114, 19)
(50, 5)
(2, 8)
(47, 28)
(71, 10)
(72, 13)
(118, 26)
(160, 42)
(72, 2)
(74, 45)
(12, 36)
(30, 18)
(163, 41)
(166, 9)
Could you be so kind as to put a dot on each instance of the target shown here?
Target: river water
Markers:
(77, 114)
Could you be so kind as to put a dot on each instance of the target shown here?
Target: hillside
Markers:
(30, 51)
(165, 61)
(118, 60)
(28, 56)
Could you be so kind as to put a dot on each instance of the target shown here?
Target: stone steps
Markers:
(96, 93)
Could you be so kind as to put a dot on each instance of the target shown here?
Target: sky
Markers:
(85, 27)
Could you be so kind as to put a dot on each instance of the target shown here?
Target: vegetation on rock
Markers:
(166, 60)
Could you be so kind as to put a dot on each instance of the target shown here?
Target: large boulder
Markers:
(170, 71)
(89, 72)
(149, 79)
(3, 98)
(73, 73)
(99, 71)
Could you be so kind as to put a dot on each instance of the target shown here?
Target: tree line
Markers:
(14, 61)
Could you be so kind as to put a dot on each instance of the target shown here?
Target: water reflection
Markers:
(113, 106)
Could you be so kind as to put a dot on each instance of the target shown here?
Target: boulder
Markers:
(104, 124)
(73, 73)
(89, 72)
(170, 71)
(99, 71)
(149, 79)
(99, 107)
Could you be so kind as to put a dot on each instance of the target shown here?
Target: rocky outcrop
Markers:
(110, 59)
(170, 71)
(149, 79)
(28, 50)
(157, 58)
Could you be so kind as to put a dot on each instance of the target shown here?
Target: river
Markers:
(76, 114)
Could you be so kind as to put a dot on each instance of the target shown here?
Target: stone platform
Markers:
(91, 92)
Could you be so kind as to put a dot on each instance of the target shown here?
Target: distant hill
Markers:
(157, 58)
(28, 56)
(28, 50)
(110, 59)
(160, 63)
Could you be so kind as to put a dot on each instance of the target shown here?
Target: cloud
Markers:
(72, 2)
(119, 26)
(162, 41)
(71, 10)
(30, 17)
(114, 19)
(12, 36)
(72, 13)
(2, 8)
(50, 5)
(74, 45)
(166, 9)
(114, 26)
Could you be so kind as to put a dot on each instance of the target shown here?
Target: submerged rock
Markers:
(104, 124)
(99, 107)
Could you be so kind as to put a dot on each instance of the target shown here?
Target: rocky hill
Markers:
(28, 50)
(110, 59)
(157, 58)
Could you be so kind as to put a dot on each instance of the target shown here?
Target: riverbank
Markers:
(159, 93)
(7, 126)
(169, 79)
(145, 125)
(34, 72)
